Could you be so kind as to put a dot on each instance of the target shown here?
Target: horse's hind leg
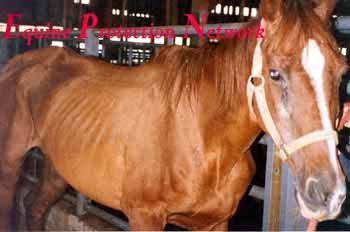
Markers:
(18, 138)
(47, 193)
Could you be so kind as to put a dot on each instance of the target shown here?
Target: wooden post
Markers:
(281, 212)
(124, 18)
(272, 189)
(241, 16)
(108, 17)
(175, 13)
(67, 13)
(80, 13)
(171, 12)
(200, 7)
(168, 8)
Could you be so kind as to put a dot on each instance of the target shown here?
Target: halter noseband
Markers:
(258, 90)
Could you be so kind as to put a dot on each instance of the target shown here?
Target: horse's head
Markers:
(301, 69)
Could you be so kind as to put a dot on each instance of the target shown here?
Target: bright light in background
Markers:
(160, 40)
(237, 10)
(254, 12)
(116, 38)
(246, 11)
(218, 8)
(57, 44)
(139, 40)
(225, 10)
(213, 11)
(3, 27)
(179, 40)
(55, 27)
(115, 12)
(188, 41)
(85, 2)
(147, 15)
(230, 11)
(344, 51)
(22, 28)
(76, 1)
(82, 45)
(125, 12)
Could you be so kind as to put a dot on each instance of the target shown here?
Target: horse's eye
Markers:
(275, 75)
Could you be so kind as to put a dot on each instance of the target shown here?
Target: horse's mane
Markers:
(223, 66)
(227, 65)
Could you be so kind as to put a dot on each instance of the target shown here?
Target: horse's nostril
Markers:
(316, 194)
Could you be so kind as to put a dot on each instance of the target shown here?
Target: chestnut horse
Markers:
(169, 141)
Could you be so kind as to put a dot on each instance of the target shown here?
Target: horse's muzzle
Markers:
(318, 203)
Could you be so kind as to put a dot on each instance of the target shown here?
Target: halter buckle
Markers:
(283, 153)
(257, 77)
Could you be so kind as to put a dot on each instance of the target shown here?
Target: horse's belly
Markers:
(86, 150)
(97, 175)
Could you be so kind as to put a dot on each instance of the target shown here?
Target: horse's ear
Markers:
(324, 8)
(270, 9)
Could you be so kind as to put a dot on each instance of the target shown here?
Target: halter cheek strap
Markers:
(258, 91)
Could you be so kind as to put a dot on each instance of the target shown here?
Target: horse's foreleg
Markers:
(243, 174)
(146, 220)
(221, 227)
(18, 138)
(38, 202)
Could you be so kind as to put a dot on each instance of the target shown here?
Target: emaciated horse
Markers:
(169, 141)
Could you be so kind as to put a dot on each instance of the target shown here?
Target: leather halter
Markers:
(257, 89)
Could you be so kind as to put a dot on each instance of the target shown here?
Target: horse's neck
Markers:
(234, 115)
